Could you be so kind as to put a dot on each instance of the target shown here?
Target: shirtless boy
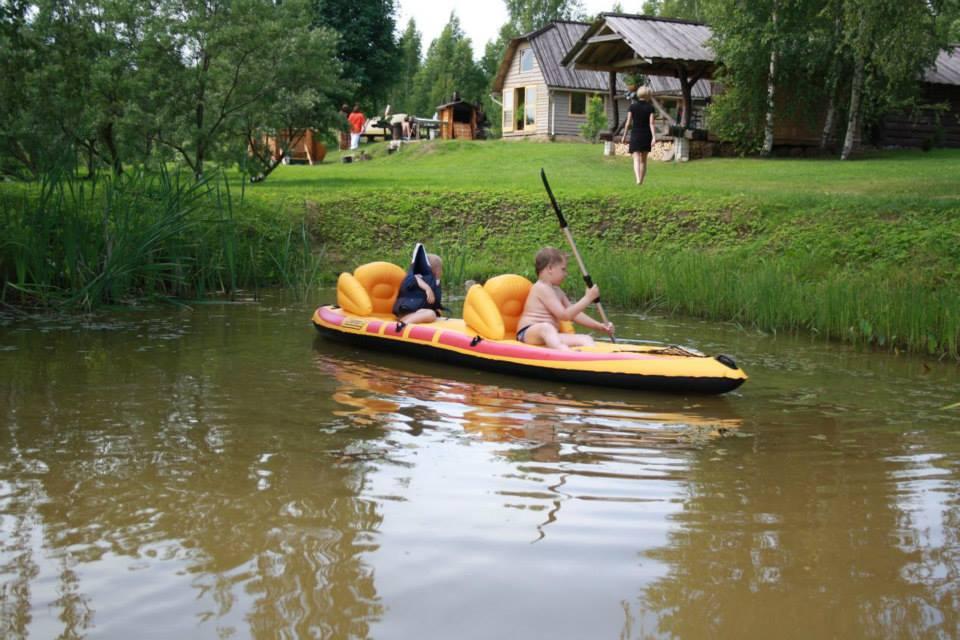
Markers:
(547, 305)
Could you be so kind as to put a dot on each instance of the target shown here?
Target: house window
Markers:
(531, 106)
(578, 104)
(526, 59)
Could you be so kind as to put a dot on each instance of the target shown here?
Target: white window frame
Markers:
(526, 53)
(530, 108)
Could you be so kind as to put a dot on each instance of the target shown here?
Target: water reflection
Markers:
(598, 424)
(124, 488)
(586, 433)
(813, 528)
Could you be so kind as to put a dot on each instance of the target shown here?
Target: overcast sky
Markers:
(481, 19)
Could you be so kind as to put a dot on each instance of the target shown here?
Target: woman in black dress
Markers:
(643, 135)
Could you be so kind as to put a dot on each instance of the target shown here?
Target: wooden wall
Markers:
(919, 127)
(567, 124)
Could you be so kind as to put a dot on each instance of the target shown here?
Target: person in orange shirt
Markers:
(357, 120)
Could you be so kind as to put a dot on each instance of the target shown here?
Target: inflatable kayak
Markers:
(485, 339)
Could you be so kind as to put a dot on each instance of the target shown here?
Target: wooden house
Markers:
(937, 122)
(302, 146)
(543, 98)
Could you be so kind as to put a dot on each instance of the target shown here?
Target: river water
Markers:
(221, 472)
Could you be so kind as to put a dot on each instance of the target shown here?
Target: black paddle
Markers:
(573, 246)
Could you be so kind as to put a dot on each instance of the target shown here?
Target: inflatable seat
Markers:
(494, 309)
(371, 289)
(509, 292)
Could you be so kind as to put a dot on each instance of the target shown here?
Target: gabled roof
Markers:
(551, 43)
(656, 45)
(946, 70)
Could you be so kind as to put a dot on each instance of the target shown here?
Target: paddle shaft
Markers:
(573, 246)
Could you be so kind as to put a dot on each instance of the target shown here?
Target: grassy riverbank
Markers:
(865, 251)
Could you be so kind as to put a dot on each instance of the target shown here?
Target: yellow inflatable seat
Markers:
(481, 314)
(509, 292)
(371, 288)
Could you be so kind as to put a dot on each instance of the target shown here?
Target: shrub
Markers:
(596, 119)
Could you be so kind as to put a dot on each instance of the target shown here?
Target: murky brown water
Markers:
(220, 472)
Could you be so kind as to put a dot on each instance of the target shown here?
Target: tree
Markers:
(695, 10)
(402, 95)
(448, 68)
(367, 48)
(887, 62)
(70, 75)
(742, 39)
(290, 109)
(19, 59)
(767, 48)
(529, 15)
(232, 64)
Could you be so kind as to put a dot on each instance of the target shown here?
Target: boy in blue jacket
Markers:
(418, 300)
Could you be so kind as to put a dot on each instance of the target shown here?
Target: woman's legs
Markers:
(636, 166)
(642, 173)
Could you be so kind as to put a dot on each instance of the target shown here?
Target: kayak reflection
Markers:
(541, 417)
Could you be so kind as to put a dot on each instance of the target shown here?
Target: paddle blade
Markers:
(553, 201)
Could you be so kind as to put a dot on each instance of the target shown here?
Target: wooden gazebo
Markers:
(625, 43)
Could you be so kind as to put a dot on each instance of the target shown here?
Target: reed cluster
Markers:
(78, 244)
(788, 294)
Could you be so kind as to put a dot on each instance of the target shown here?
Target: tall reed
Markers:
(83, 243)
(789, 294)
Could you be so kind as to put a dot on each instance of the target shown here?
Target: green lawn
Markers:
(581, 170)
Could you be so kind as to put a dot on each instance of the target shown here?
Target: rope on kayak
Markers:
(670, 350)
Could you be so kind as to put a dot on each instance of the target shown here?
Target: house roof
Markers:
(456, 103)
(946, 69)
(552, 42)
(617, 41)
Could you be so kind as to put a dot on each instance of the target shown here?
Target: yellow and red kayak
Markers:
(485, 339)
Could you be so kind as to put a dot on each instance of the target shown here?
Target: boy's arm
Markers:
(426, 289)
(588, 322)
(553, 301)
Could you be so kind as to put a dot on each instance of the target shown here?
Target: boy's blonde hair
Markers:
(436, 264)
(547, 257)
